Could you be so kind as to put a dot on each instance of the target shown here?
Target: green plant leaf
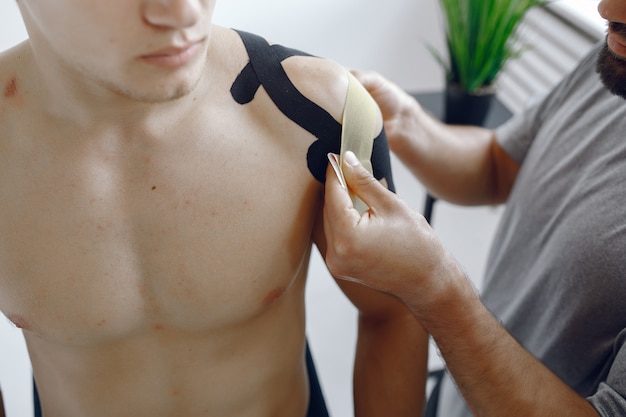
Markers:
(480, 38)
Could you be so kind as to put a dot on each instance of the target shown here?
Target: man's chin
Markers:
(612, 70)
(155, 98)
(155, 95)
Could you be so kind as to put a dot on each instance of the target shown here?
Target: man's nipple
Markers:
(19, 321)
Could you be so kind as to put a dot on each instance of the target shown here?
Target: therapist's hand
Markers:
(402, 114)
(390, 247)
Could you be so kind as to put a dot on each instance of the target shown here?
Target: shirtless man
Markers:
(156, 233)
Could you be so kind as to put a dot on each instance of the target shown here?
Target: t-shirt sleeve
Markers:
(516, 136)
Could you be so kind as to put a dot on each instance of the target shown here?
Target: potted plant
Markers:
(480, 39)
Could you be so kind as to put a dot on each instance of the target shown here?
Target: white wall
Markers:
(369, 34)
(387, 36)
(11, 28)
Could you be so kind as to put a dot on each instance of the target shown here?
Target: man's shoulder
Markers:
(321, 80)
(13, 57)
(12, 63)
(309, 90)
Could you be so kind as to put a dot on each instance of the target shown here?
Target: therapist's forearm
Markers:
(495, 374)
(455, 163)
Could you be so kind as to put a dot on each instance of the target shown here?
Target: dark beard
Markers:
(612, 69)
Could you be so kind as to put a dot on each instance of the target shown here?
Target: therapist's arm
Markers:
(393, 249)
(461, 164)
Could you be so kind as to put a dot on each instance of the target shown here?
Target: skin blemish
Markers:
(153, 187)
(10, 89)
(101, 322)
(158, 326)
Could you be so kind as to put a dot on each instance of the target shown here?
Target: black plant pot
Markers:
(462, 108)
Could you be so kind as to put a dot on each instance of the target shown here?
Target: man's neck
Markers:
(88, 105)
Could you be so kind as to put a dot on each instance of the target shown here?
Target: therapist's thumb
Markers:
(363, 184)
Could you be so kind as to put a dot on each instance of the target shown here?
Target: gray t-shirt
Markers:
(556, 275)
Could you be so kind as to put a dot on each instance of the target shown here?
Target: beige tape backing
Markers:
(358, 132)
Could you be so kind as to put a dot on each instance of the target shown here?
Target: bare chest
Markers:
(193, 238)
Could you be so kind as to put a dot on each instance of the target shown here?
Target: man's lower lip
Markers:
(616, 46)
(176, 60)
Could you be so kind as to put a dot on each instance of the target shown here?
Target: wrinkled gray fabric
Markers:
(556, 275)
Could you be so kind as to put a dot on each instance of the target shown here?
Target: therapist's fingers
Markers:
(345, 230)
(381, 90)
(337, 201)
(360, 182)
(388, 95)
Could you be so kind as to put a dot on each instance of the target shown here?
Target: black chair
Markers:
(433, 399)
